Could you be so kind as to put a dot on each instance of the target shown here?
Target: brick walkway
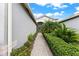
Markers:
(40, 47)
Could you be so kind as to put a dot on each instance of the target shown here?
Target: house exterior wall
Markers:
(74, 24)
(3, 29)
(22, 26)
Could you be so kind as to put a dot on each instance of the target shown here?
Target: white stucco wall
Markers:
(74, 23)
(2, 18)
(3, 29)
(22, 26)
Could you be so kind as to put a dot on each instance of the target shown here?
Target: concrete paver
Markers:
(40, 47)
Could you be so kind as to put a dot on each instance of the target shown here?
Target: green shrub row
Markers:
(25, 50)
(59, 47)
(60, 30)
(49, 26)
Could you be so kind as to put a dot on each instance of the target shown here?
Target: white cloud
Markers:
(59, 5)
(51, 1)
(71, 3)
(42, 4)
(58, 13)
(56, 4)
(77, 10)
(49, 14)
(49, 6)
(55, 14)
(64, 6)
(37, 15)
(55, 8)
(62, 12)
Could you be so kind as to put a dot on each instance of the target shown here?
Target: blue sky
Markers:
(54, 10)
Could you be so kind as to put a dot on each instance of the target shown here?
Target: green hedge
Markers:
(59, 47)
(25, 50)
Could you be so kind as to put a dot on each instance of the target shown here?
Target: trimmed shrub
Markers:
(59, 30)
(66, 34)
(49, 26)
(59, 47)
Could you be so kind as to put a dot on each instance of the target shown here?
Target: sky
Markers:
(59, 11)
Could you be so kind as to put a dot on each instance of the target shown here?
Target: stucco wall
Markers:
(74, 23)
(3, 29)
(2, 7)
(22, 26)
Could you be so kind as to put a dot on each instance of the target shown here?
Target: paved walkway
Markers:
(40, 47)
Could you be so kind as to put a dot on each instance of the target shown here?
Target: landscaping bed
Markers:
(62, 41)
(25, 50)
(59, 47)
